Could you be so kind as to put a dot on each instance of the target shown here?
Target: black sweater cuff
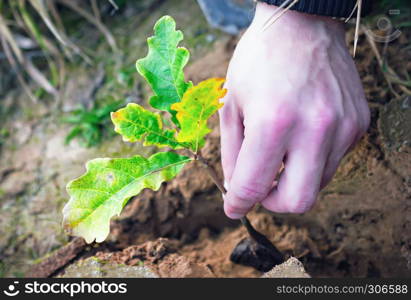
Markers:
(331, 8)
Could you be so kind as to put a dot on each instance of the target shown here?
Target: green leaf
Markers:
(198, 105)
(135, 123)
(163, 66)
(108, 184)
(74, 132)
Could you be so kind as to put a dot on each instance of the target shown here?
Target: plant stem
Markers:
(213, 174)
(254, 234)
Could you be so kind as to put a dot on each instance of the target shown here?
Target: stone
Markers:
(292, 268)
(95, 268)
(394, 124)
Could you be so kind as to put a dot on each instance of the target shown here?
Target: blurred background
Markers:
(66, 64)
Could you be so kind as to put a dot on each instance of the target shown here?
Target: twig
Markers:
(58, 259)
(212, 173)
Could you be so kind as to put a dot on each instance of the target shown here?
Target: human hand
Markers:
(294, 96)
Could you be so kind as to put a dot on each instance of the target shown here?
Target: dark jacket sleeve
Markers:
(331, 8)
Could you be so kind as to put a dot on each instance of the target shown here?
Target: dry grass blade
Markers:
(277, 11)
(8, 36)
(390, 75)
(35, 32)
(16, 15)
(38, 77)
(357, 25)
(51, 5)
(22, 19)
(56, 62)
(14, 65)
(352, 13)
(42, 11)
(114, 4)
(96, 10)
(68, 46)
(89, 17)
(282, 9)
(11, 45)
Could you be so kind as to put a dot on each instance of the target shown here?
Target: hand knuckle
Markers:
(277, 125)
(274, 120)
(300, 205)
(323, 119)
(297, 209)
(350, 127)
(283, 123)
(249, 194)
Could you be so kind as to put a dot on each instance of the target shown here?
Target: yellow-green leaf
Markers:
(163, 66)
(108, 184)
(199, 103)
(135, 123)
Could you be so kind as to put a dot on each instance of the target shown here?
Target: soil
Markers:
(360, 222)
(359, 227)
(160, 256)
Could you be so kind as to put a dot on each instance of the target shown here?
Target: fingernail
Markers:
(235, 216)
